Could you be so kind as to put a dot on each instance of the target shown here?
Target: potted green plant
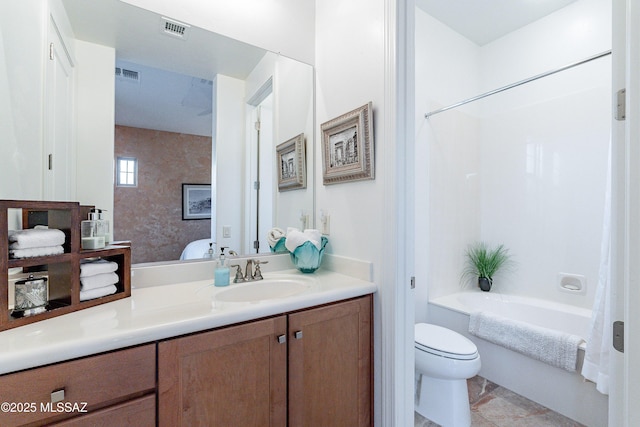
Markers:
(483, 262)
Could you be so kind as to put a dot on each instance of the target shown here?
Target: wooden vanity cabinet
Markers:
(308, 368)
(235, 376)
(111, 389)
(330, 365)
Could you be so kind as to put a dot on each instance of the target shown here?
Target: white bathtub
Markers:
(564, 392)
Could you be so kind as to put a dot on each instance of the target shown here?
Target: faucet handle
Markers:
(258, 274)
(239, 276)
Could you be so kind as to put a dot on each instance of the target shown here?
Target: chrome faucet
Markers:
(248, 270)
(249, 273)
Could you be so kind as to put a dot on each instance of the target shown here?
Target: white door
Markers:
(59, 181)
(625, 388)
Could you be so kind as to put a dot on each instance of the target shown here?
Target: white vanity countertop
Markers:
(159, 312)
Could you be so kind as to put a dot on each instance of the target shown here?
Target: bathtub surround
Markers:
(564, 392)
(525, 167)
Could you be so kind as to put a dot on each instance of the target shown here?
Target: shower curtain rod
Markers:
(521, 82)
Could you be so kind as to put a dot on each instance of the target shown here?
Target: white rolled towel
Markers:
(98, 292)
(274, 236)
(92, 268)
(35, 252)
(35, 238)
(296, 238)
(98, 281)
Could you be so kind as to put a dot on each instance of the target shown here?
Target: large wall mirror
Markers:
(194, 108)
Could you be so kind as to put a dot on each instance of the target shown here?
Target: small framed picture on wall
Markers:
(291, 161)
(196, 201)
(348, 147)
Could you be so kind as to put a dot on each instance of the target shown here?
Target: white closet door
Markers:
(59, 148)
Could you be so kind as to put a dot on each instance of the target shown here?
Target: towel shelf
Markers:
(63, 271)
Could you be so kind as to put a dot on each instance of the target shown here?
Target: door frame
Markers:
(625, 290)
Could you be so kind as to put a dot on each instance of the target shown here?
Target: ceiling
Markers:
(483, 21)
(173, 92)
(174, 73)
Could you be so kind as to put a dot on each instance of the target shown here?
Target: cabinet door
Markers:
(234, 376)
(135, 413)
(330, 376)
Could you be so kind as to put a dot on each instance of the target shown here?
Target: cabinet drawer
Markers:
(136, 413)
(88, 383)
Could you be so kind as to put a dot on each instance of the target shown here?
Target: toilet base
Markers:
(445, 402)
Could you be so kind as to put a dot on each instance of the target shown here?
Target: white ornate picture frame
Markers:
(291, 161)
(348, 147)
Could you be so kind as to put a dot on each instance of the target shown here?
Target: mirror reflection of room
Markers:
(167, 110)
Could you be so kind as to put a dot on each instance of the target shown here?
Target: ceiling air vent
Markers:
(175, 28)
(127, 75)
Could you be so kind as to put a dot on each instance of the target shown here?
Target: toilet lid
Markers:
(444, 342)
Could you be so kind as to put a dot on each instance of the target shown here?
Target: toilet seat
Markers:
(444, 342)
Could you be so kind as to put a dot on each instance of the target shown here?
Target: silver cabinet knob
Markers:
(297, 335)
(282, 339)
(57, 396)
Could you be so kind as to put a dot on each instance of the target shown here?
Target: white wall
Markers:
(351, 65)
(22, 57)
(525, 168)
(228, 144)
(282, 26)
(95, 125)
(447, 199)
(293, 86)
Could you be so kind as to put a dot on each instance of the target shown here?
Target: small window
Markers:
(127, 172)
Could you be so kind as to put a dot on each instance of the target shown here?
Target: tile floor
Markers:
(495, 406)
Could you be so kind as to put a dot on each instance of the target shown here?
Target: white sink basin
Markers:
(262, 290)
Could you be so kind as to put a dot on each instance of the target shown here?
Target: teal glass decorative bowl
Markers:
(279, 247)
(307, 258)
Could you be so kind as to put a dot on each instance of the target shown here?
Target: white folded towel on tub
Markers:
(555, 348)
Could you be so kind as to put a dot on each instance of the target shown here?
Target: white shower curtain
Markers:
(596, 360)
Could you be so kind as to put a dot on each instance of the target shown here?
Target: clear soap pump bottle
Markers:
(210, 253)
(222, 269)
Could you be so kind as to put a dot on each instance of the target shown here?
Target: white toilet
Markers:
(444, 361)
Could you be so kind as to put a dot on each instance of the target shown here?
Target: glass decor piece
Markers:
(279, 246)
(307, 258)
(31, 296)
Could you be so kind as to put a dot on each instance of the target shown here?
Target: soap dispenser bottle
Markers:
(222, 270)
(102, 224)
(210, 253)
